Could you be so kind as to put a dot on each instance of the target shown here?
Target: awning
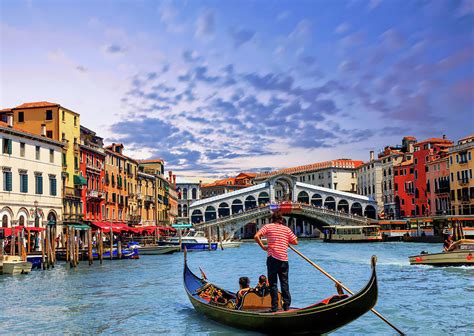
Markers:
(80, 180)
(143, 229)
(78, 226)
(116, 227)
(8, 231)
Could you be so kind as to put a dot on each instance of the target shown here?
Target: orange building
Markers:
(219, 187)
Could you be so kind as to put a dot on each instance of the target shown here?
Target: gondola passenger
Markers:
(244, 283)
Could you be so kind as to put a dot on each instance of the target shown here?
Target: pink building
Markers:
(437, 185)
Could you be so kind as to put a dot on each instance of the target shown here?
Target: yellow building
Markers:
(461, 165)
(156, 168)
(146, 199)
(61, 124)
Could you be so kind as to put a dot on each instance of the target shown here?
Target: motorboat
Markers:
(153, 249)
(461, 253)
(230, 244)
(14, 265)
(193, 241)
(352, 234)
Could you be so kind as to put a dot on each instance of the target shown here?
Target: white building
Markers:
(369, 180)
(30, 179)
(188, 190)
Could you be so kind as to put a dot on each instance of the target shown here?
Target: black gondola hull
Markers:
(309, 320)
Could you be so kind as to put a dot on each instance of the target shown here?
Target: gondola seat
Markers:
(331, 299)
(253, 301)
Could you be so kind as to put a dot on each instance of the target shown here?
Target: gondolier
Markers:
(279, 237)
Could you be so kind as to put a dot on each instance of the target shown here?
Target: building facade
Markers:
(424, 151)
(369, 180)
(92, 166)
(437, 186)
(461, 168)
(188, 191)
(156, 167)
(30, 179)
(404, 188)
(146, 201)
(56, 122)
(336, 174)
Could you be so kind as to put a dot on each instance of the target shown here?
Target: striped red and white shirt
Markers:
(278, 238)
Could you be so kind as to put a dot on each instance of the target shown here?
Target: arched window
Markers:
(194, 193)
(5, 221)
(185, 193)
(22, 221)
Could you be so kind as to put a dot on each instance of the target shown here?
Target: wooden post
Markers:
(111, 242)
(89, 246)
(66, 243)
(119, 249)
(101, 247)
(219, 235)
(180, 240)
(22, 248)
(48, 256)
(209, 238)
(53, 241)
(71, 247)
(29, 241)
(13, 242)
(43, 257)
(77, 246)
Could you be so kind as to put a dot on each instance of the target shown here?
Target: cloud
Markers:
(392, 39)
(270, 81)
(205, 24)
(241, 36)
(466, 7)
(373, 4)
(169, 17)
(348, 66)
(342, 28)
(114, 48)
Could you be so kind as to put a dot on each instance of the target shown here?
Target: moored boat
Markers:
(319, 318)
(460, 254)
(155, 249)
(352, 234)
(230, 244)
(193, 241)
(14, 265)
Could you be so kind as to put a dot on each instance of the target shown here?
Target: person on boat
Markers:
(447, 243)
(262, 287)
(279, 237)
(244, 283)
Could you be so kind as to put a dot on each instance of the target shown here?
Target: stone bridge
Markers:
(317, 205)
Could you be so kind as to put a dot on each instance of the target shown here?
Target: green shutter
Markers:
(39, 185)
(9, 146)
(24, 183)
(52, 186)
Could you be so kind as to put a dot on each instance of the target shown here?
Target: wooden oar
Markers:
(342, 285)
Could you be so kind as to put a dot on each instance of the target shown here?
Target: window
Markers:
(75, 121)
(7, 181)
(49, 114)
(64, 116)
(23, 182)
(76, 163)
(51, 155)
(64, 159)
(38, 184)
(38, 152)
(49, 134)
(22, 149)
(7, 146)
(21, 116)
(52, 185)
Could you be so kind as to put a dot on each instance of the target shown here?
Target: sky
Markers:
(218, 87)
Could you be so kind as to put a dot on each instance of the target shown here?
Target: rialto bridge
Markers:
(312, 207)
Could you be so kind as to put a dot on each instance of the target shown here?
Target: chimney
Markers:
(10, 120)
(43, 130)
(444, 136)
(174, 179)
(371, 155)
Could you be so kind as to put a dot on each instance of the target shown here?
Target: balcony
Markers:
(93, 167)
(77, 147)
(95, 194)
(149, 199)
(442, 190)
(465, 199)
(65, 144)
(463, 181)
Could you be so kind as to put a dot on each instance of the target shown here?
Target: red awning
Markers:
(8, 231)
(116, 227)
(144, 229)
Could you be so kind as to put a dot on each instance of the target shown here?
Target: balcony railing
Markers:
(465, 199)
(464, 181)
(94, 194)
(95, 167)
(442, 190)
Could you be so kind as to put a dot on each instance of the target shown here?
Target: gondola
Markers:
(319, 318)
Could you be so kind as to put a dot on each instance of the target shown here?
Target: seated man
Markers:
(448, 243)
(262, 287)
(244, 283)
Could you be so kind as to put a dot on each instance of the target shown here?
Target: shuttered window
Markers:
(7, 146)
(23, 183)
(52, 186)
(7, 181)
(39, 184)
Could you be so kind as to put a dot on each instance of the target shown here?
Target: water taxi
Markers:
(352, 234)
(14, 265)
(461, 253)
(193, 241)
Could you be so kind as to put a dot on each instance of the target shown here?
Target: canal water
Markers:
(146, 296)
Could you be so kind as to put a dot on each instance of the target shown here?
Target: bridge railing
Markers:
(266, 208)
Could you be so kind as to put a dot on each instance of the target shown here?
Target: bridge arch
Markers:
(237, 206)
(370, 212)
(250, 202)
(356, 209)
(330, 203)
(303, 197)
(343, 205)
(317, 200)
(263, 198)
(210, 213)
(196, 216)
(223, 210)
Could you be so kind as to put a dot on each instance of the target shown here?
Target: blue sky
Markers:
(216, 87)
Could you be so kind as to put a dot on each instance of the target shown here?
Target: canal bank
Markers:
(147, 295)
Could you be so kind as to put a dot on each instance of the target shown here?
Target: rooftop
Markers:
(29, 134)
(36, 104)
(341, 163)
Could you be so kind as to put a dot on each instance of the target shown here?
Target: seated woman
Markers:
(244, 283)
(448, 243)
(262, 287)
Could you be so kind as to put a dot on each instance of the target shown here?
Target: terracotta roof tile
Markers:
(315, 166)
(37, 136)
(36, 104)
(435, 140)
